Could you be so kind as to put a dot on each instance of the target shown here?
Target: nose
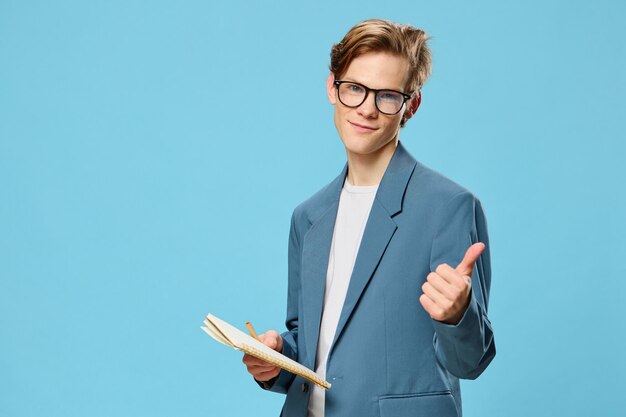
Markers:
(368, 107)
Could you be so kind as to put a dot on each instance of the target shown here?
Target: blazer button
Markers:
(305, 387)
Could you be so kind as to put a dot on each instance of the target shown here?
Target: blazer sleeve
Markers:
(290, 338)
(467, 348)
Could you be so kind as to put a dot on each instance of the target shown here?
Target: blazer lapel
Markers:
(315, 254)
(379, 230)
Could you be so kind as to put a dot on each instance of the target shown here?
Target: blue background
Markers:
(151, 154)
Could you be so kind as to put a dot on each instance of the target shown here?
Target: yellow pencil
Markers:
(251, 330)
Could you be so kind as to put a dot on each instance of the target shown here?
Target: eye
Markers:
(354, 89)
(389, 96)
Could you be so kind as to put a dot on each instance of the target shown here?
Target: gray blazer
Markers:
(389, 358)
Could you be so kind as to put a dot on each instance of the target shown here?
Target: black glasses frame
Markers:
(337, 83)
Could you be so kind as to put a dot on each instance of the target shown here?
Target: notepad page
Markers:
(212, 331)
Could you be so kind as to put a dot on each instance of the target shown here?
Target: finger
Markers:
(268, 340)
(469, 260)
(431, 308)
(450, 291)
(266, 376)
(451, 276)
(250, 360)
(438, 298)
(255, 370)
(256, 366)
(271, 339)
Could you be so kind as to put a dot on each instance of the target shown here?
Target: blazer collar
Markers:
(393, 184)
(390, 191)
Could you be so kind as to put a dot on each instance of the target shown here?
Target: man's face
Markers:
(364, 130)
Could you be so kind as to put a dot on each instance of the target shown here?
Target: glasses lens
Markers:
(351, 95)
(389, 102)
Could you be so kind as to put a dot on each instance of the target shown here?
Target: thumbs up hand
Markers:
(447, 290)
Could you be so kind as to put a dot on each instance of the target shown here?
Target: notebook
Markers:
(231, 336)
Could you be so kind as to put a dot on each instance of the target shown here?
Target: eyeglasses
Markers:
(353, 94)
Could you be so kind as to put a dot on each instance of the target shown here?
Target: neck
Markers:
(369, 169)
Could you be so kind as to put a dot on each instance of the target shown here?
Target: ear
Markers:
(412, 106)
(330, 89)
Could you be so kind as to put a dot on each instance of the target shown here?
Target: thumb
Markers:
(272, 339)
(471, 256)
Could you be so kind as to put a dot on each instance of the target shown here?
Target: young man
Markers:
(389, 270)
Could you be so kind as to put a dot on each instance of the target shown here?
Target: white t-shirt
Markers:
(355, 204)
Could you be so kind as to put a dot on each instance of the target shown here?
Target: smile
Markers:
(361, 128)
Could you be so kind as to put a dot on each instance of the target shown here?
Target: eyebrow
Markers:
(401, 90)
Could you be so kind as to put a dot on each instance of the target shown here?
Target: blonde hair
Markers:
(379, 35)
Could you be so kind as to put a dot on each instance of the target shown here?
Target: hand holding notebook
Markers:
(235, 338)
(259, 369)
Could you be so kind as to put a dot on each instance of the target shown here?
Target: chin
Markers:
(364, 146)
(360, 146)
(363, 150)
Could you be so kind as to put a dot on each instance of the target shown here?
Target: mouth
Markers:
(362, 128)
